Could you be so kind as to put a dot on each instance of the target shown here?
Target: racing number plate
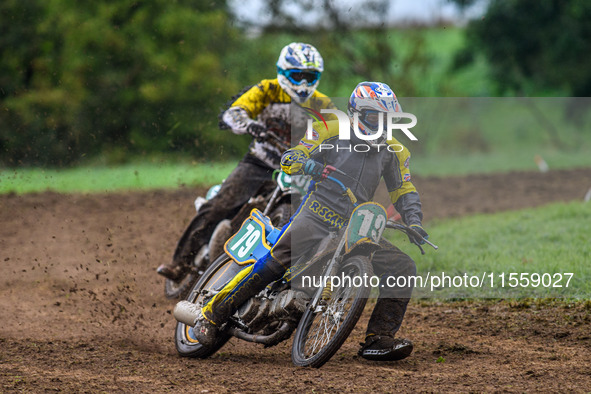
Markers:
(367, 224)
(242, 245)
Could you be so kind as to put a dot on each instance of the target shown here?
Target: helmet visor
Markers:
(298, 77)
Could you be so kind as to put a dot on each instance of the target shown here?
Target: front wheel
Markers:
(215, 276)
(180, 288)
(280, 214)
(322, 331)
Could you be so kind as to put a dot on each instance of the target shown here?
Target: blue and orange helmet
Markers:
(367, 102)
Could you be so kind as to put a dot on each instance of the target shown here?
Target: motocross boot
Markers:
(205, 331)
(385, 348)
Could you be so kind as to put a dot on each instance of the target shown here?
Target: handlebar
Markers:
(409, 230)
(390, 223)
(275, 140)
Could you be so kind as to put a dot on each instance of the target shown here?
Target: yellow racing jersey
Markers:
(269, 105)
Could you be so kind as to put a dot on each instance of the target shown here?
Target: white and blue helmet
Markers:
(298, 70)
(368, 100)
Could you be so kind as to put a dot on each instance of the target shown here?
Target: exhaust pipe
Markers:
(186, 312)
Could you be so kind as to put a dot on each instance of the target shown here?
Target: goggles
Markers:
(297, 77)
(370, 117)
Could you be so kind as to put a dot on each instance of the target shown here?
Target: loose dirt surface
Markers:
(82, 309)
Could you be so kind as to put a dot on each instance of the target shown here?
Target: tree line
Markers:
(136, 77)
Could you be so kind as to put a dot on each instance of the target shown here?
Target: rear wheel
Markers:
(215, 276)
(322, 331)
(174, 289)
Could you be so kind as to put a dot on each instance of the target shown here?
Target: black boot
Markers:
(385, 348)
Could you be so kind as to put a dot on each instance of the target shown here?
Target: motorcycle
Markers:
(274, 198)
(323, 316)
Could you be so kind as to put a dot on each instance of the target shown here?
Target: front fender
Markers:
(362, 248)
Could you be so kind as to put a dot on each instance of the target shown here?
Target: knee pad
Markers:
(269, 268)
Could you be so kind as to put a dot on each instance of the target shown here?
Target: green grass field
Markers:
(552, 239)
(97, 179)
(440, 164)
(145, 175)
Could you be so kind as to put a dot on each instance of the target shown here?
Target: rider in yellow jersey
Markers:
(265, 106)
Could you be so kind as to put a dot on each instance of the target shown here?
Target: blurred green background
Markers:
(105, 95)
(110, 83)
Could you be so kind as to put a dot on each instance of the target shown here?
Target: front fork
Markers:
(324, 292)
(272, 200)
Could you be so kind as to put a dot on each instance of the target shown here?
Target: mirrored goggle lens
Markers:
(371, 117)
(299, 76)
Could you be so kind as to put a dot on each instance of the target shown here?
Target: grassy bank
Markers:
(549, 241)
(440, 164)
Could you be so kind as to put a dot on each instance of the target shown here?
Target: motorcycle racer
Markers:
(264, 106)
(324, 207)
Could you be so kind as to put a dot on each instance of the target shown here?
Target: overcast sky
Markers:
(401, 11)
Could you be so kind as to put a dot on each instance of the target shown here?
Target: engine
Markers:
(257, 313)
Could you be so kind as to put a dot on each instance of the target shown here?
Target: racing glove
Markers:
(312, 167)
(422, 233)
(317, 170)
(256, 130)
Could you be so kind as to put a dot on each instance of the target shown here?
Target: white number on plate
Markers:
(250, 237)
(366, 225)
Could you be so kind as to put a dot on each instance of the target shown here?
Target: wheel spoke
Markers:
(314, 341)
(326, 324)
(323, 329)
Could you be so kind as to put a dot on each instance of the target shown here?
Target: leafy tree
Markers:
(135, 76)
(534, 47)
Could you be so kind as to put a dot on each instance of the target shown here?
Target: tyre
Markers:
(322, 331)
(180, 289)
(215, 276)
(280, 214)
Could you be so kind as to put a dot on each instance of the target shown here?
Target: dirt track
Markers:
(82, 309)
